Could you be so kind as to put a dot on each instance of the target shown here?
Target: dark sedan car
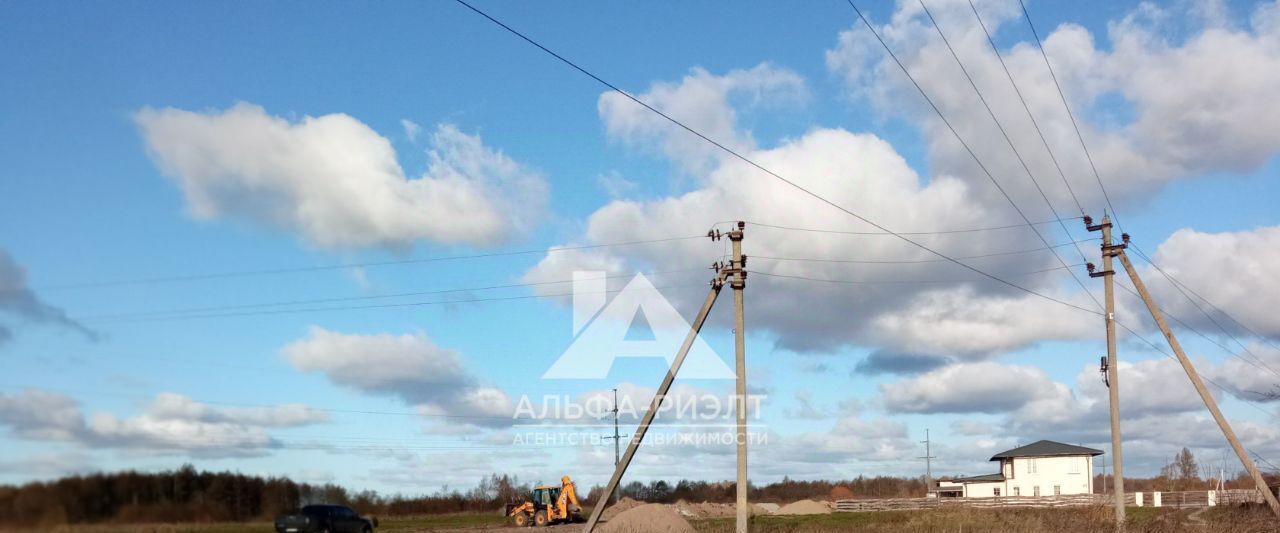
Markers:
(325, 519)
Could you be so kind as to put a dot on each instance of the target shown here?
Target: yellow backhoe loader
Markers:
(549, 505)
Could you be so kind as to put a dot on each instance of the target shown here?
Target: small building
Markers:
(1043, 468)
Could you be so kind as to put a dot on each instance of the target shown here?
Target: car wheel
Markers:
(520, 519)
(540, 519)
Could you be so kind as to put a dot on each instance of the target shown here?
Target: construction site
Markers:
(987, 266)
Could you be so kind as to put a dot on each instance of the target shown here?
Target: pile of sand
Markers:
(647, 518)
(704, 509)
(623, 505)
(804, 507)
(764, 508)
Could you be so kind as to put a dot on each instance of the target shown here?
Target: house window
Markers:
(1017, 491)
(1035, 490)
(1057, 490)
(1031, 466)
(1075, 464)
(997, 492)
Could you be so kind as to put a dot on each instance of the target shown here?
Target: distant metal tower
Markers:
(928, 462)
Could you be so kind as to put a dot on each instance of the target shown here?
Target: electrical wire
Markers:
(1107, 197)
(896, 282)
(969, 149)
(943, 232)
(1026, 168)
(187, 310)
(756, 165)
(1184, 325)
(363, 307)
(1206, 379)
(9, 386)
(996, 50)
(1062, 95)
(1177, 285)
(904, 261)
(294, 270)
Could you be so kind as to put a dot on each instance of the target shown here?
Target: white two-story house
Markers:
(1043, 468)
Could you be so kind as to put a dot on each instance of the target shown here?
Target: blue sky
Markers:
(117, 123)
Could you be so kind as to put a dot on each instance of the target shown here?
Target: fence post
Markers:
(1212, 498)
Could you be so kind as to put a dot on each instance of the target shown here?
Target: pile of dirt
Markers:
(648, 518)
(623, 505)
(804, 507)
(764, 508)
(704, 509)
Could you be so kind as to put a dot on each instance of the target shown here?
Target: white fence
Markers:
(1187, 499)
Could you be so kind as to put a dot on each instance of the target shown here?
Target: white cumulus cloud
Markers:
(409, 367)
(1246, 260)
(337, 182)
(984, 387)
(700, 100)
(172, 423)
(1154, 108)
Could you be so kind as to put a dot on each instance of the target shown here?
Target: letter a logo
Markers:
(601, 332)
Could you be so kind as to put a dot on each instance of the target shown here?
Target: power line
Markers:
(942, 232)
(1207, 379)
(895, 282)
(294, 270)
(1188, 327)
(1000, 126)
(969, 149)
(147, 314)
(1107, 197)
(362, 307)
(259, 406)
(1260, 364)
(1026, 107)
(1065, 105)
(755, 165)
(1206, 301)
(915, 261)
(1180, 287)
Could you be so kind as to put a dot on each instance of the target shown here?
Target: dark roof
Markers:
(979, 479)
(1045, 448)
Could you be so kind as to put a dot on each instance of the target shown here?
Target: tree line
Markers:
(188, 495)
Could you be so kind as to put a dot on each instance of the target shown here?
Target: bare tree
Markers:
(1186, 469)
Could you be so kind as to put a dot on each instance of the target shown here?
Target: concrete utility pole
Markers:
(1109, 251)
(634, 444)
(928, 464)
(738, 280)
(1209, 402)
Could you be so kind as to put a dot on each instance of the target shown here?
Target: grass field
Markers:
(1063, 520)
